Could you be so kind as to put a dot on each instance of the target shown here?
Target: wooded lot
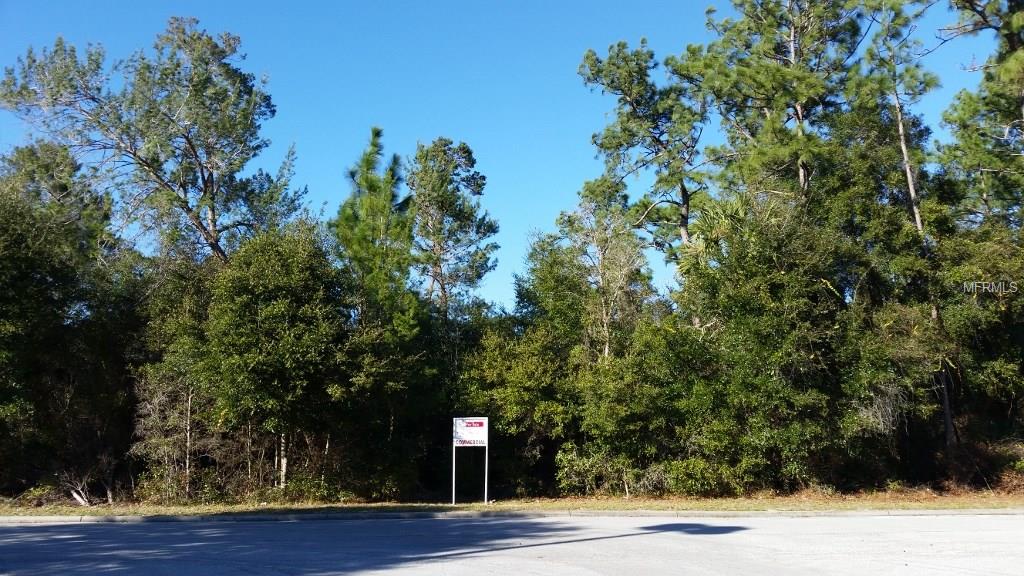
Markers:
(177, 326)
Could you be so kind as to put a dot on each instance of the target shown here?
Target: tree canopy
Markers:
(848, 310)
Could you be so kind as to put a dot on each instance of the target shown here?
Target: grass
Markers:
(809, 500)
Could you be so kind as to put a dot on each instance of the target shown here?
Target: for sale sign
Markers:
(469, 432)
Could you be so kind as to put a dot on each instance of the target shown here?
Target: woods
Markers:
(177, 325)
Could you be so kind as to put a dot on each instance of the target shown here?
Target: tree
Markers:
(888, 347)
(984, 168)
(895, 76)
(896, 79)
(388, 385)
(989, 124)
(174, 417)
(276, 318)
(374, 231)
(578, 304)
(68, 322)
(522, 372)
(612, 261)
(452, 233)
(764, 283)
(655, 127)
(772, 75)
(175, 130)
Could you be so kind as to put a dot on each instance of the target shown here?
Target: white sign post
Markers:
(469, 432)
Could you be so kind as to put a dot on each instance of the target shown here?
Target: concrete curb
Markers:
(471, 514)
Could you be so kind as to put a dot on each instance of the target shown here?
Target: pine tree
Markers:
(656, 127)
(452, 233)
(175, 131)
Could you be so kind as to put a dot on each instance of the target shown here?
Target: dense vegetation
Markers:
(175, 326)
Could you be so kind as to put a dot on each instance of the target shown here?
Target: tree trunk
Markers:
(283, 471)
(801, 167)
(188, 444)
(947, 411)
(942, 376)
(908, 168)
(327, 451)
(684, 215)
(248, 454)
(79, 497)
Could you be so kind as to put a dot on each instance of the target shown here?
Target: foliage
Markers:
(452, 248)
(68, 321)
(175, 129)
(848, 312)
(656, 127)
(275, 319)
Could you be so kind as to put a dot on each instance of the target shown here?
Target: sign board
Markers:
(469, 432)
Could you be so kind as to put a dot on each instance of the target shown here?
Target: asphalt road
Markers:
(875, 545)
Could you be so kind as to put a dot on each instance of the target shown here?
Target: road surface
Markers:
(856, 545)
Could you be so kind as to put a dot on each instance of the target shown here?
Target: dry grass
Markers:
(808, 500)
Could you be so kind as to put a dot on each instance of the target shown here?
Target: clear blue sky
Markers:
(500, 76)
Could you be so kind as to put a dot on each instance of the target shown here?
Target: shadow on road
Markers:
(282, 547)
(690, 528)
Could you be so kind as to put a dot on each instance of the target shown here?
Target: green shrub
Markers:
(154, 486)
(593, 472)
(307, 487)
(41, 495)
(698, 477)
(208, 487)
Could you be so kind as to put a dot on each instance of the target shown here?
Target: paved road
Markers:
(876, 545)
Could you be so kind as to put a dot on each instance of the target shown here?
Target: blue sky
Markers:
(500, 76)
